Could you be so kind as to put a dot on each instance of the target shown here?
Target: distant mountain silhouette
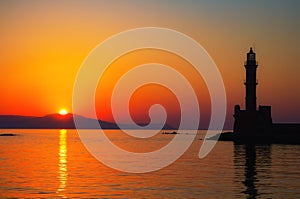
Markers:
(54, 121)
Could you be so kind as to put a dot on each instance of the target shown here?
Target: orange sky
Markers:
(43, 44)
(150, 94)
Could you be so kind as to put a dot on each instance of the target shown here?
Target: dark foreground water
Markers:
(55, 164)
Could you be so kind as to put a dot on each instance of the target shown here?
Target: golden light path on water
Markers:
(62, 165)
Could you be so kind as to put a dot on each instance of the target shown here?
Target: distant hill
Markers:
(54, 121)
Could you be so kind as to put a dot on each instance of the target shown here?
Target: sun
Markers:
(63, 112)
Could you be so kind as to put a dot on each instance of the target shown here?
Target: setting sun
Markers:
(63, 112)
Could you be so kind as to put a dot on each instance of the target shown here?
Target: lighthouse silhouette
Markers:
(255, 126)
(251, 82)
(252, 124)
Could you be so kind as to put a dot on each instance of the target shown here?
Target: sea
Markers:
(56, 164)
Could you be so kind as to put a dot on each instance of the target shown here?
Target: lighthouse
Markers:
(251, 122)
(254, 125)
(251, 82)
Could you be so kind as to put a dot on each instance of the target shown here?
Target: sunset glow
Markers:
(42, 62)
(149, 99)
(63, 112)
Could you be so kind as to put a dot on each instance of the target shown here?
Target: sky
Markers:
(43, 44)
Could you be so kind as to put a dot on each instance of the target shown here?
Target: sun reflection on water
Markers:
(62, 165)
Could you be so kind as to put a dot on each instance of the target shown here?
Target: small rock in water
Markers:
(174, 132)
(8, 134)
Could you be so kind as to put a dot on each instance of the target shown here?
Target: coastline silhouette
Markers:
(56, 121)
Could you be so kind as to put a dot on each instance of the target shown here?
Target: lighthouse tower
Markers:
(254, 124)
(251, 122)
(251, 81)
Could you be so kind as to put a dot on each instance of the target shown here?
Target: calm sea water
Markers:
(55, 164)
